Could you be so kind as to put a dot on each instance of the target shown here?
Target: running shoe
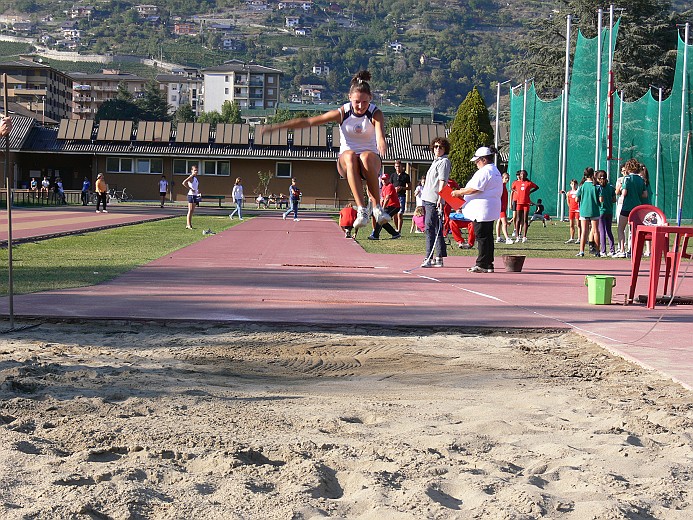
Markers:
(372, 237)
(438, 262)
(580, 254)
(477, 269)
(463, 245)
(619, 254)
(570, 241)
(524, 239)
(362, 217)
(509, 241)
(499, 240)
(519, 239)
(396, 236)
(427, 263)
(381, 216)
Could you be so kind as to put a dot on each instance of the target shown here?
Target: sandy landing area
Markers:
(128, 421)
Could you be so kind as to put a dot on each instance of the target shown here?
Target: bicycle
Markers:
(120, 195)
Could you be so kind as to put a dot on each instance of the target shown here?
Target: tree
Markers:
(153, 104)
(212, 117)
(231, 112)
(118, 109)
(397, 122)
(470, 130)
(123, 93)
(184, 114)
(265, 177)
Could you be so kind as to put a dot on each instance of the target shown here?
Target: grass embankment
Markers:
(92, 258)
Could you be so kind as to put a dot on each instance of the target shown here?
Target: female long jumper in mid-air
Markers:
(362, 144)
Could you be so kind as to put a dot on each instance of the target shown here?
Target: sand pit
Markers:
(123, 421)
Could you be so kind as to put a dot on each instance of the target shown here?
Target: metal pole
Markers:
(620, 122)
(524, 127)
(559, 178)
(10, 280)
(684, 88)
(610, 96)
(495, 139)
(659, 146)
(566, 96)
(599, 90)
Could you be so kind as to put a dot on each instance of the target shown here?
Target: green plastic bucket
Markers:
(599, 288)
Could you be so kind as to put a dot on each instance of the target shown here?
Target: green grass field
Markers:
(92, 258)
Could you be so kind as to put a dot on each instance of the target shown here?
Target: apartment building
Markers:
(251, 86)
(38, 87)
(90, 91)
(183, 88)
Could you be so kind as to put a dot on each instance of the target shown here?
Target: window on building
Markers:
(182, 166)
(270, 80)
(119, 165)
(150, 166)
(217, 168)
(174, 98)
(226, 91)
(270, 92)
(226, 79)
(283, 170)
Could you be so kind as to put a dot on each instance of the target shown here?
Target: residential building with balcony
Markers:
(251, 86)
(90, 91)
(182, 89)
(38, 87)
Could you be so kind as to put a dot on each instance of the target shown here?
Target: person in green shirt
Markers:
(607, 198)
(589, 211)
(634, 193)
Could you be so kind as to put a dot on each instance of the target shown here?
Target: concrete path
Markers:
(285, 272)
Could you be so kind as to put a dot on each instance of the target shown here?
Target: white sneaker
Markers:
(104, 211)
(519, 239)
(381, 216)
(98, 211)
(295, 220)
(362, 217)
(620, 254)
(569, 241)
(284, 216)
(499, 240)
(509, 241)
(524, 239)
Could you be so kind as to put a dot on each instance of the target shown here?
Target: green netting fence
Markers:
(634, 131)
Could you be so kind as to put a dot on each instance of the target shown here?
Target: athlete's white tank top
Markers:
(357, 133)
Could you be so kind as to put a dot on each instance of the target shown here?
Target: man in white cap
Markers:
(483, 203)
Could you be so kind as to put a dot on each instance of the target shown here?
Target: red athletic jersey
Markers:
(504, 199)
(522, 189)
(573, 204)
(347, 217)
(389, 189)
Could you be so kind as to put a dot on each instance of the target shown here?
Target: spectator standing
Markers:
(101, 193)
(589, 211)
(294, 198)
(634, 193)
(237, 196)
(163, 189)
(86, 186)
(522, 189)
(60, 191)
(502, 222)
(436, 179)
(573, 212)
(483, 195)
(193, 184)
(390, 203)
(607, 197)
(402, 183)
(418, 190)
(347, 215)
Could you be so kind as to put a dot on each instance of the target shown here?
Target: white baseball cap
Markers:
(481, 152)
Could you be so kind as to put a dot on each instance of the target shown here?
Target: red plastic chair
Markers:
(647, 215)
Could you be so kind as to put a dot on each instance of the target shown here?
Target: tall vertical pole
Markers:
(610, 96)
(524, 126)
(566, 96)
(497, 132)
(684, 91)
(599, 90)
(10, 280)
(620, 123)
(659, 147)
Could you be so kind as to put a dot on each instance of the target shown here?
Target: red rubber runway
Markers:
(284, 272)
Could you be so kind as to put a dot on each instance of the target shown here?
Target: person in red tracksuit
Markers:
(390, 203)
